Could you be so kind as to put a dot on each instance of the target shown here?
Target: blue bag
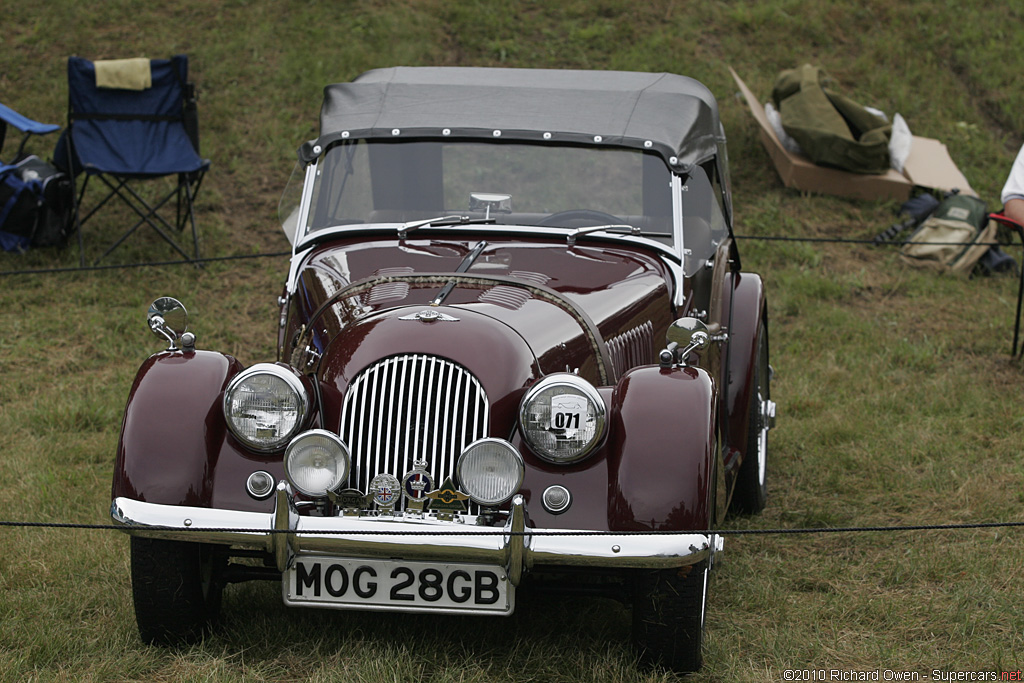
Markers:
(35, 205)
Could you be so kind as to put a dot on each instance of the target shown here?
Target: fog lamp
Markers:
(316, 462)
(490, 471)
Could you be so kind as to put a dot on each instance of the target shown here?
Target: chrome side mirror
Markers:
(683, 336)
(168, 320)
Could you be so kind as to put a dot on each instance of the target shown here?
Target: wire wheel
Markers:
(751, 492)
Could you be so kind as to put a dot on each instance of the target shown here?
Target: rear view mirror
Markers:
(167, 319)
(683, 336)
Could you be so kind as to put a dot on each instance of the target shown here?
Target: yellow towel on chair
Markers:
(125, 74)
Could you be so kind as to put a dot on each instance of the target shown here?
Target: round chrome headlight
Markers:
(562, 418)
(316, 462)
(490, 471)
(264, 406)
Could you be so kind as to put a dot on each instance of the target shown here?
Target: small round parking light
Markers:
(556, 499)
(260, 484)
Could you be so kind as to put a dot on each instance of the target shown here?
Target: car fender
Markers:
(662, 450)
(747, 311)
(173, 432)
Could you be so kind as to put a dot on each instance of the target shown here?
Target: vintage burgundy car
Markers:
(516, 350)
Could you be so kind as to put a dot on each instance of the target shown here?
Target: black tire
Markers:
(751, 493)
(668, 617)
(177, 588)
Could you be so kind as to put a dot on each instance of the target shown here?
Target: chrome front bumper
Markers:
(516, 547)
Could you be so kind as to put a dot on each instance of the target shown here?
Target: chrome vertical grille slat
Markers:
(411, 407)
(446, 416)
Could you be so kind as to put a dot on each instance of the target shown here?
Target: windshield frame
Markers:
(607, 184)
(677, 254)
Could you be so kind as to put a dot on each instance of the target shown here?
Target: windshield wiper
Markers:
(440, 220)
(466, 264)
(627, 229)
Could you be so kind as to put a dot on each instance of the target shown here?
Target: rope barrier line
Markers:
(550, 532)
(237, 257)
(872, 242)
(153, 264)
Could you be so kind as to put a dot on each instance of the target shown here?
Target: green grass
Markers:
(898, 402)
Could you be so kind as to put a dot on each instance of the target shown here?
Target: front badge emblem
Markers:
(447, 500)
(351, 501)
(385, 490)
(416, 484)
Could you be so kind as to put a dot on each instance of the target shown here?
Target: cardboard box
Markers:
(929, 166)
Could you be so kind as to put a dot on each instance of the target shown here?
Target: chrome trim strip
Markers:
(312, 239)
(679, 297)
(459, 543)
(297, 258)
(302, 224)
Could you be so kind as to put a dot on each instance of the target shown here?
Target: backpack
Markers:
(35, 205)
(831, 129)
(954, 237)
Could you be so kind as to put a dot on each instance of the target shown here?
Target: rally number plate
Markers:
(397, 586)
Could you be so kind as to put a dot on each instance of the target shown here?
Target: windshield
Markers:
(376, 181)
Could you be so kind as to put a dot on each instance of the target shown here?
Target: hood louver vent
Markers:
(632, 348)
(511, 297)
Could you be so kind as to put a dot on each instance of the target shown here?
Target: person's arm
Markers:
(1013, 191)
(1014, 209)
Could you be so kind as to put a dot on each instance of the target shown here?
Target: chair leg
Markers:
(81, 221)
(146, 217)
(190, 207)
(77, 203)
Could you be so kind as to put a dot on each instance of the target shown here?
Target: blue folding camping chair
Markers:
(134, 120)
(20, 193)
(23, 123)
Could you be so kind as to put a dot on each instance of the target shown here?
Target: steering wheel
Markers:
(562, 219)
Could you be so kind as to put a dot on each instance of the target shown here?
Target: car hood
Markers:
(525, 306)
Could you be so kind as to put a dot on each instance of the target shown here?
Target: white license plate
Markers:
(397, 585)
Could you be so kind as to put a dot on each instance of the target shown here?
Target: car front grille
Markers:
(407, 408)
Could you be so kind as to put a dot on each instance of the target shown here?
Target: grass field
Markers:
(898, 400)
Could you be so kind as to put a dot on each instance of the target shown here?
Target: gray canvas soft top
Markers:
(673, 115)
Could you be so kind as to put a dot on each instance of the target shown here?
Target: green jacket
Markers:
(832, 130)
